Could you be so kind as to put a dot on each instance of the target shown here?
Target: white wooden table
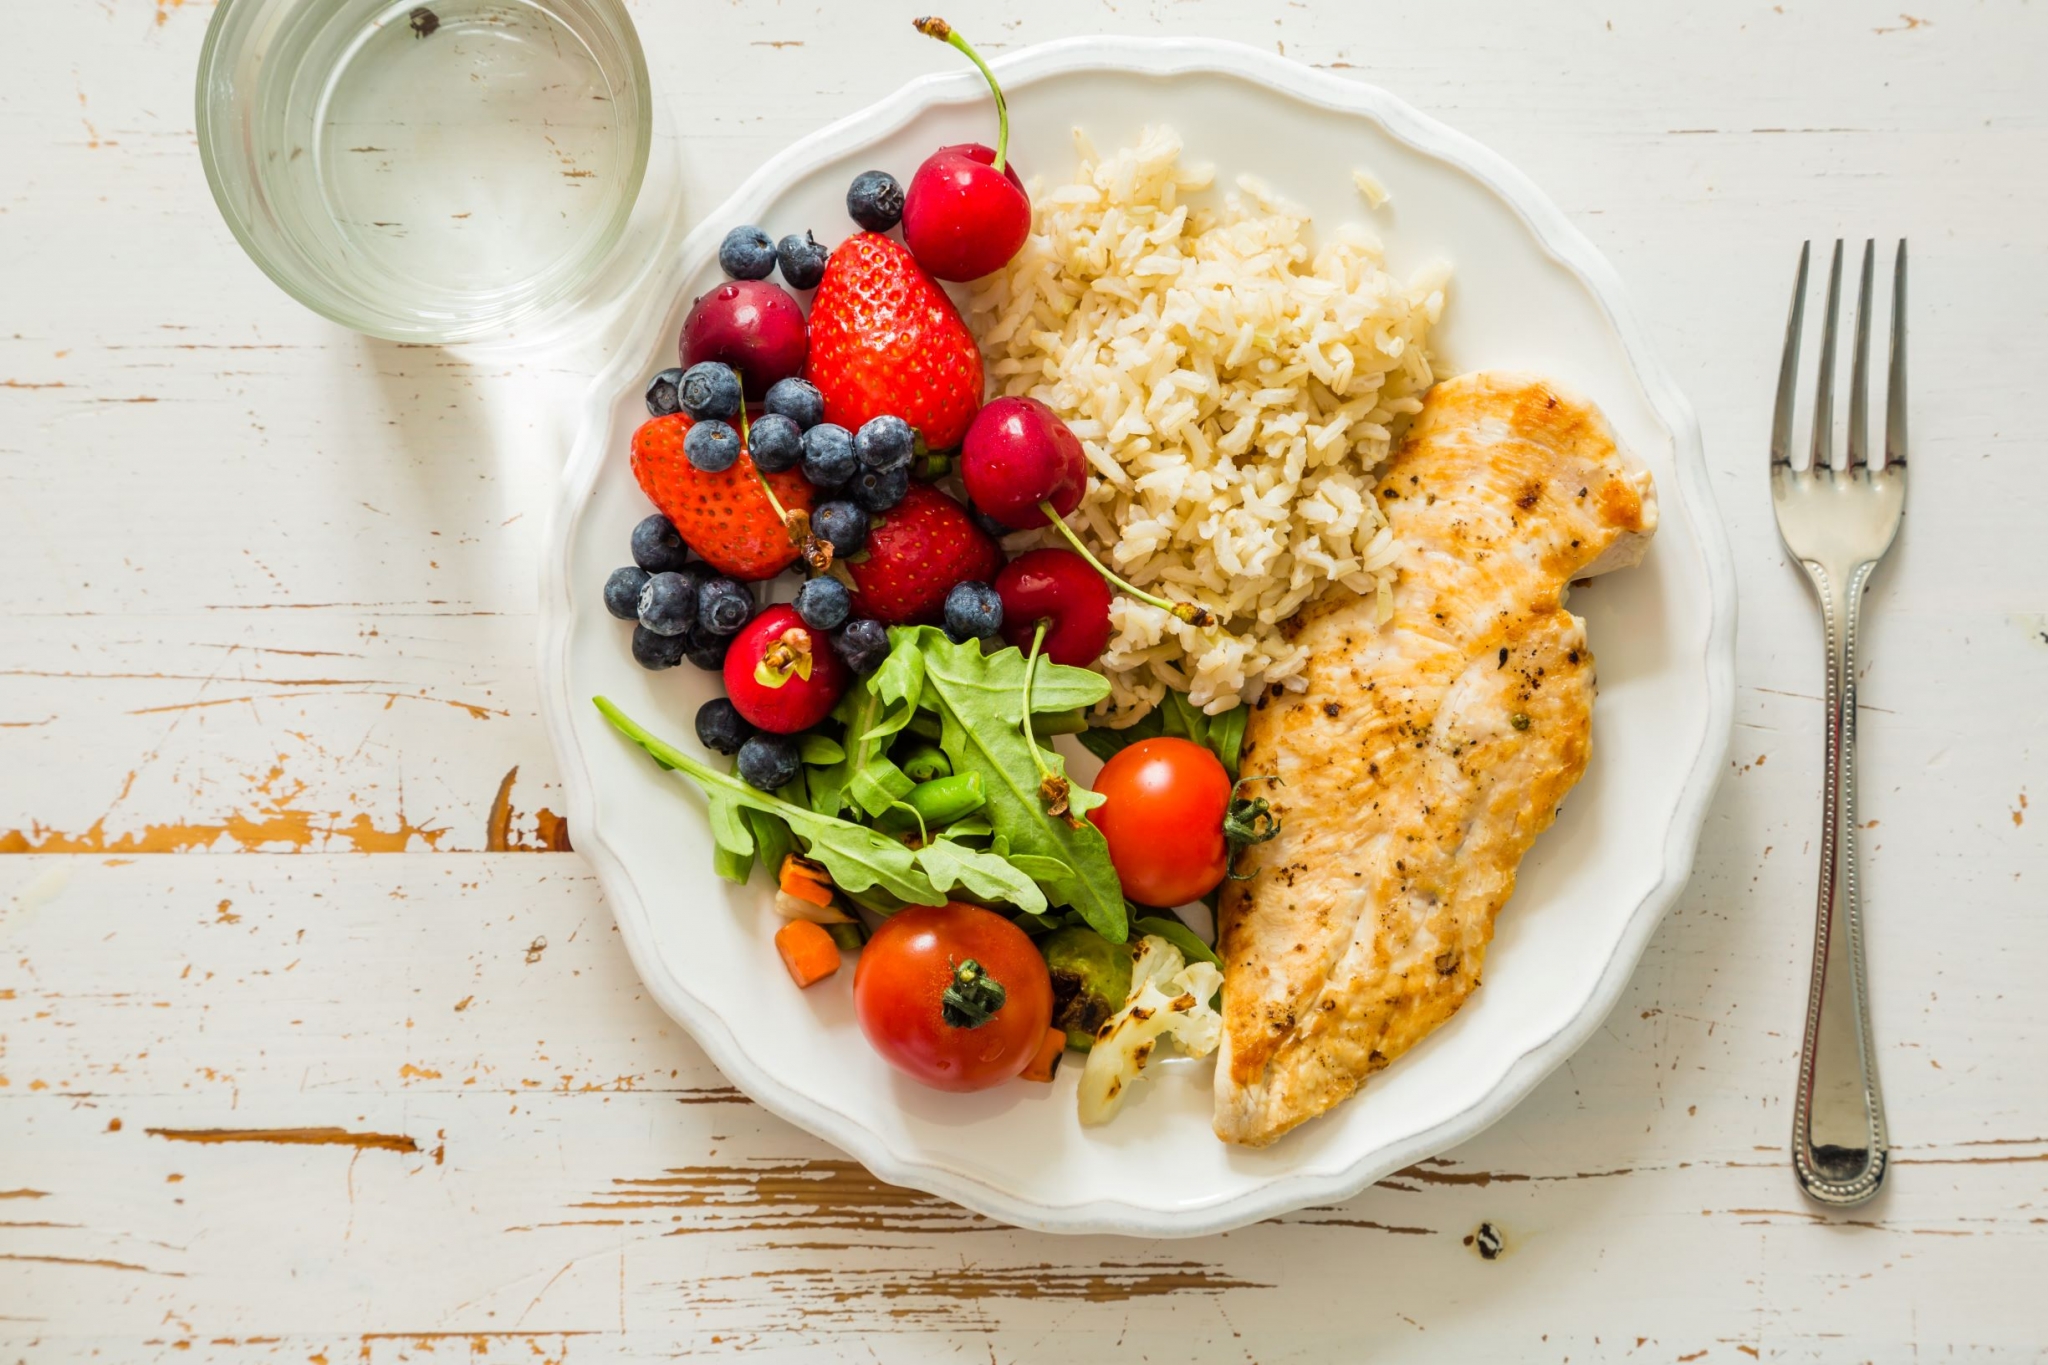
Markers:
(266, 608)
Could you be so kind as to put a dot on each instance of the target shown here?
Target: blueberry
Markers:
(875, 201)
(823, 603)
(656, 651)
(656, 546)
(796, 399)
(973, 612)
(709, 389)
(862, 644)
(878, 491)
(721, 726)
(775, 443)
(704, 649)
(769, 761)
(668, 604)
(802, 260)
(747, 253)
(842, 523)
(712, 446)
(622, 592)
(662, 397)
(885, 443)
(829, 461)
(994, 529)
(723, 606)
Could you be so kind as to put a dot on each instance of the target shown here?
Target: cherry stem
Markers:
(1186, 611)
(746, 434)
(1030, 669)
(935, 27)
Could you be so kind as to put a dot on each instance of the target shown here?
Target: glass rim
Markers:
(337, 306)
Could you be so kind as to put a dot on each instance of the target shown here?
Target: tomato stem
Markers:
(935, 27)
(1248, 821)
(1185, 611)
(972, 997)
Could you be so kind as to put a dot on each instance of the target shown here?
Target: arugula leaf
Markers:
(1183, 718)
(772, 840)
(741, 834)
(1222, 735)
(1226, 736)
(1038, 924)
(979, 699)
(857, 857)
(985, 875)
(864, 775)
(819, 750)
(1179, 935)
(1106, 743)
(728, 828)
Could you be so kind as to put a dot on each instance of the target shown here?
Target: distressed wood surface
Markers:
(266, 607)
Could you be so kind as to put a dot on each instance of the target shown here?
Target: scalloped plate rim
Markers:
(1551, 230)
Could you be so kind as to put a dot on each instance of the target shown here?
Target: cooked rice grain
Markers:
(1234, 388)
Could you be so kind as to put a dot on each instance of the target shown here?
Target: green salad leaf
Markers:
(864, 775)
(979, 701)
(985, 876)
(772, 840)
(857, 857)
(740, 835)
(1222, 735)
(1179, 935)
(819, 750)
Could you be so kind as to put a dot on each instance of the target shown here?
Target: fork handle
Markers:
(1839, 1143)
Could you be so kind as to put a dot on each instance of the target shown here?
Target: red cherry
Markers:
(963, 217)
(1063, 590)
(782, 675)
(1018, 454)
(751, 325)
(966, 213)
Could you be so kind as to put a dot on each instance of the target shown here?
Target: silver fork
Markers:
(1838, 522)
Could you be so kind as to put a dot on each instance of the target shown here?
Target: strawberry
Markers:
(916, 553)
(724, 517)
(886, 339)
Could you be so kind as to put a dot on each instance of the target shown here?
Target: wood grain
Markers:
(266, 596)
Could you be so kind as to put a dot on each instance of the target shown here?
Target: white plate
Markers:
(1529, 293)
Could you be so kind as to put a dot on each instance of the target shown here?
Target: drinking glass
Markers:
(428, 170)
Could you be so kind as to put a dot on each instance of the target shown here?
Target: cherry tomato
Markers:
(1164, 819)
(923, 1001)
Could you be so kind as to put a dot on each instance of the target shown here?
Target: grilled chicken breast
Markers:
(1426, 754)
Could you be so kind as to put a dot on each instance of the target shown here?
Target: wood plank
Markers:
(266, 589)
(316, 1096)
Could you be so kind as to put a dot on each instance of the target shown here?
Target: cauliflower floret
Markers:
(1169, 998)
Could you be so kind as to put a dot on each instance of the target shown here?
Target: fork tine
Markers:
(1824, 389)
(1895, 396)
(1788, 368)
(1859, 367)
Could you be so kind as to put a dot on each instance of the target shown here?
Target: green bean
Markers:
(924, 762)
(936, 803)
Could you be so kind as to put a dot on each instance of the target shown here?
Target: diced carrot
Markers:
(804, 879)
(789, 907)
(1047, 1061)
(807, 950)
